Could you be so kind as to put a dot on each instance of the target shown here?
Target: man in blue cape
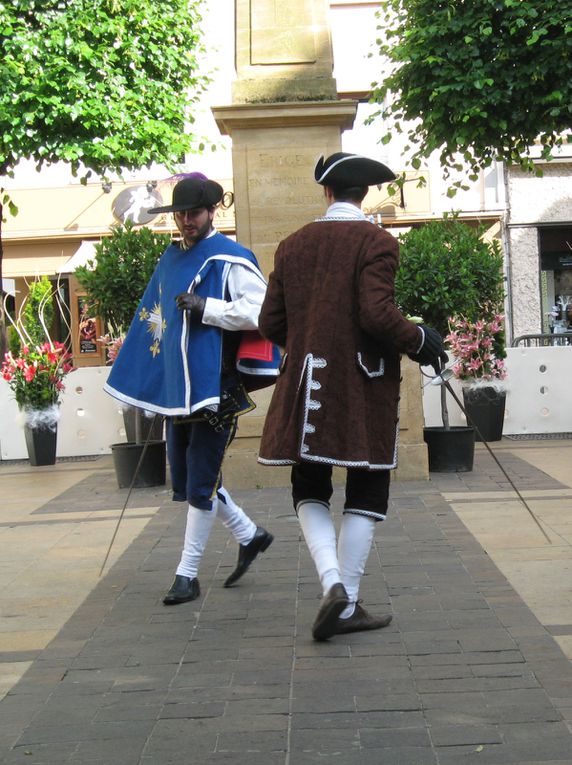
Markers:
(179, 359)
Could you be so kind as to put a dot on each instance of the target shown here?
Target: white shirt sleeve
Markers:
(247, 291)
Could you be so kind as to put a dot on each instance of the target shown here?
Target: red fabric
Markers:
(254, 346)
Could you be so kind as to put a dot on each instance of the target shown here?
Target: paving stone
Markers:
(40, 754)
(254, 741)
(383, 738)
(464, 735)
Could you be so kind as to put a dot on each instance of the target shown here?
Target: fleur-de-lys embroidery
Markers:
(156, 326)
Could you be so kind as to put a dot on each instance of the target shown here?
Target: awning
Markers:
(85, 252)
(9, 286)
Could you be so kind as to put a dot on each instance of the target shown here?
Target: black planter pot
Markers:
(153, 468)
(41, 444)
(146, 424)
(451, 450)
(485, 409)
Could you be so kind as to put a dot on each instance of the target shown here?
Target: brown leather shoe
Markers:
(333, 603)
(361, 620)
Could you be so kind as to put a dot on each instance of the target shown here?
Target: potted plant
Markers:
(447, 269)
(478, 348)
(114, 283)
(36, 377)
(35, 367)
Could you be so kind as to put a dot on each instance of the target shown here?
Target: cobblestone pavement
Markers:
(466, 672)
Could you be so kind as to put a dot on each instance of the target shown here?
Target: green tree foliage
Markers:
(104, 84)
(481, 80)
(446, 269)
(115, 281)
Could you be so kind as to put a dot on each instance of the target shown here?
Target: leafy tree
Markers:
(482, 80)
(446, 269)
(103, 85)
(108, 84)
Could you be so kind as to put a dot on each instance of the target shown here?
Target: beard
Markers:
(195, 235)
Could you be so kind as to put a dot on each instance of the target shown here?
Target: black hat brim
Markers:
(346, 170)
(191, 194)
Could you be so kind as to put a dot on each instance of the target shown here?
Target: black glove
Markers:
(194, 304)
(432, 351)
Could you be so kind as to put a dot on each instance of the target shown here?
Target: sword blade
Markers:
(135, 474)
(471, 422)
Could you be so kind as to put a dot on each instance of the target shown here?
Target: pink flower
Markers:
(36, 375)
(30, 373)
(475, 346)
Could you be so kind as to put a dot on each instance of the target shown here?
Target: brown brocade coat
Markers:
(330, 305)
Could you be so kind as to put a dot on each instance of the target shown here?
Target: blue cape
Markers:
(168, 364)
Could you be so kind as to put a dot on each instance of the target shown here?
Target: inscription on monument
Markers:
(281, 178)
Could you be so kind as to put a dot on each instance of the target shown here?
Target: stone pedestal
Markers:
(274, 150)
(412, 453)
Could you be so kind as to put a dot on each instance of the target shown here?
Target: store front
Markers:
(555, 247)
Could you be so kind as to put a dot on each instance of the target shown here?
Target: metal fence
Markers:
(543, 340)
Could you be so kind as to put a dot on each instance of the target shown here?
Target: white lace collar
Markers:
(342, 211)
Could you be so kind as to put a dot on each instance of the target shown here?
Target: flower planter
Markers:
(450, 450)
(485, 409)
(145, 424)
(152, 471)
(41, 444)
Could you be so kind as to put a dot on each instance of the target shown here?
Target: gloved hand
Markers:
(194, 304)
(432, 351)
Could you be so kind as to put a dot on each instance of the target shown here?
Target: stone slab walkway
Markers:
(466, 672)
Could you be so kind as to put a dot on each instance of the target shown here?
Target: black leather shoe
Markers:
(331, 607)
(247, 553)
(182, 590)
(361, 620)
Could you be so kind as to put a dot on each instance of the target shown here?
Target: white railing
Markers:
(539, 393)
(90, 419)
(539, 400)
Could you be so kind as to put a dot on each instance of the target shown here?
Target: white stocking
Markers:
(320, 535)
(356, 537)
(199, 525)
(234, 518)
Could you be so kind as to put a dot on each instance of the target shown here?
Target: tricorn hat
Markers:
(346, 170)
(191, 192)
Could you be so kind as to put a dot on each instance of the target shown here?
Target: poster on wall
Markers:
(87, 328)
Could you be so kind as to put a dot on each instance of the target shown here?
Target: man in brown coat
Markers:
(330, 305)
